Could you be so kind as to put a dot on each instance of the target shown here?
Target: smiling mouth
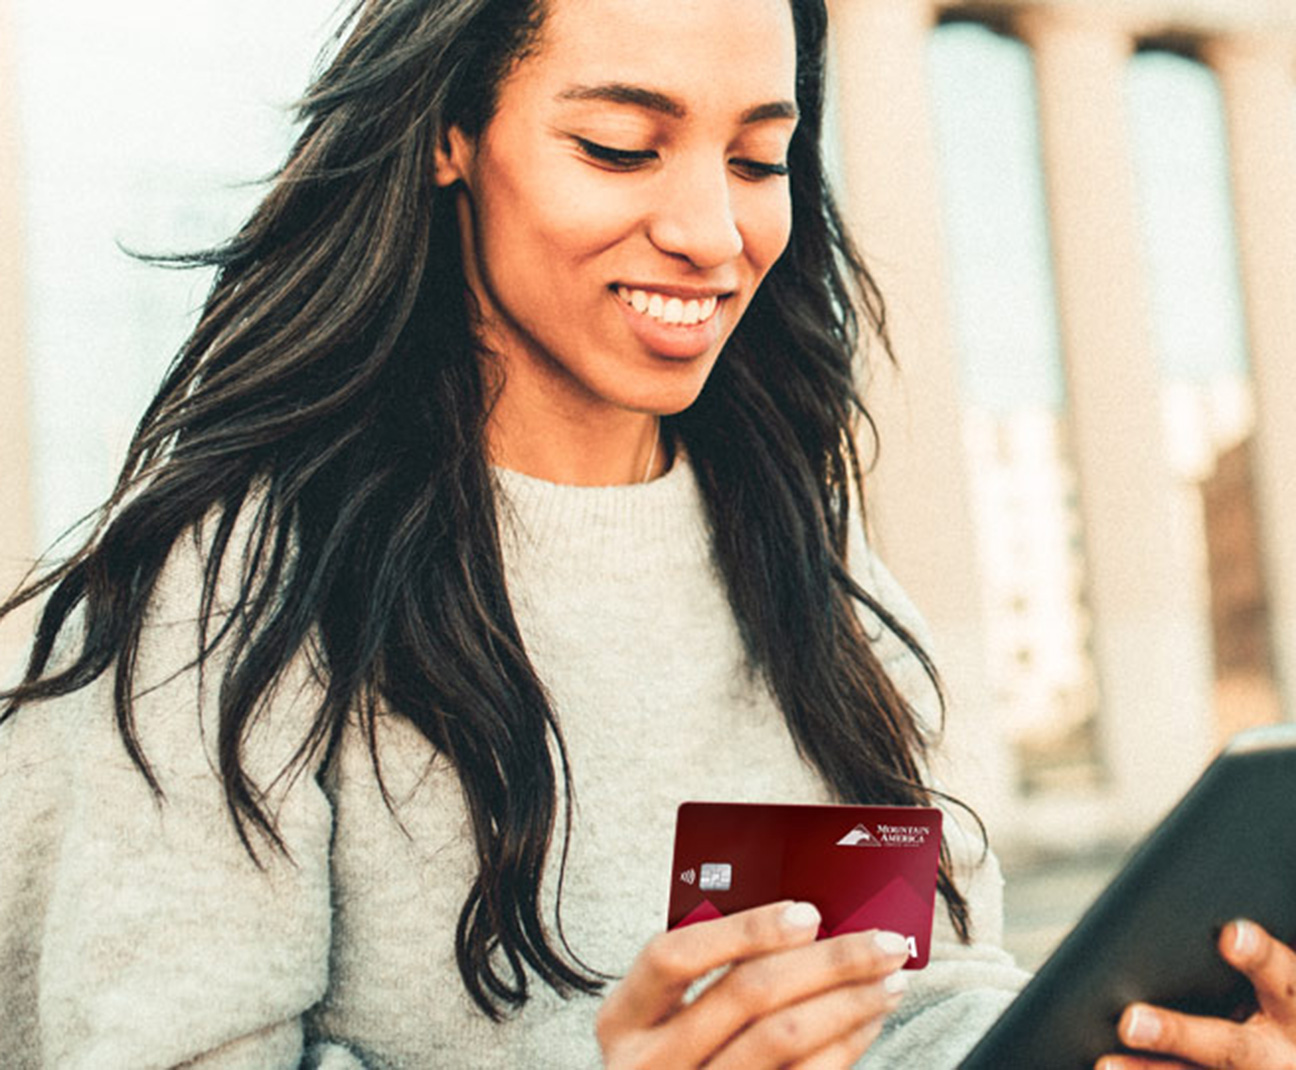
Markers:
(664, 308)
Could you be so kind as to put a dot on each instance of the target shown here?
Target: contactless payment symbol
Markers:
(716, 877)
(859, 836)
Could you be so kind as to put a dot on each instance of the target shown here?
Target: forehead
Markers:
(726, 52)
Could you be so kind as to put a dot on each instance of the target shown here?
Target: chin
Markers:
(667, 401)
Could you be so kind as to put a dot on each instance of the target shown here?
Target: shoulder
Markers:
(189, 632)
(94, 852)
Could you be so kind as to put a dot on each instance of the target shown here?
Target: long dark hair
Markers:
(333, 392)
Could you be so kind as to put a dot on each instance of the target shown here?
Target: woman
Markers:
(500, 501)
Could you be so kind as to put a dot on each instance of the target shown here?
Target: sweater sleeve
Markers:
(136, 931)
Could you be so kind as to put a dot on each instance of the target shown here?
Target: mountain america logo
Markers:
(859, 836)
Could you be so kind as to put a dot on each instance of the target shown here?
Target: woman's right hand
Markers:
(785, 1000)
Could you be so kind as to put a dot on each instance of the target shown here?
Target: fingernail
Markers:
(1246, 938)
(896, 983)
(1143, 1029)
(801, 916)
(890, 943)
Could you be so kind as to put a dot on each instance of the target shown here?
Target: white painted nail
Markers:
(1144, 1027)
(890, 943)
(1246, 938)
(801, 916)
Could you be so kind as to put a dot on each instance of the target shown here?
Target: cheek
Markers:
(587, 218)
(545, 223)
(766, 227)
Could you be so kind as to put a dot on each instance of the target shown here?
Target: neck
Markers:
(623, 448)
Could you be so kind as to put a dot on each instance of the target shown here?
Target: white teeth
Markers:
(672, 310)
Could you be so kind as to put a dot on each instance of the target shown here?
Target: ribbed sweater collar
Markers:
(603, 530)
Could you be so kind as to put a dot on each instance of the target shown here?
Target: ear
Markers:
(454, 157)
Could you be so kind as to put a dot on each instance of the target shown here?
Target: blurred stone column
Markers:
(17, 526)
(1151, 642)
(919, 495)
(1255, 75)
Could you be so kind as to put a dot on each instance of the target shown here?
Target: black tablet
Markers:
(1227, 850)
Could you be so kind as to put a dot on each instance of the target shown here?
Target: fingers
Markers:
(1139, 1062)
(1143, 1027)
(842, 1053)
(672, 961)
(817, 1030)
(784, 1001)
(1265, 1040)
(1269, 964)
(755, 989)
(1210, 1042)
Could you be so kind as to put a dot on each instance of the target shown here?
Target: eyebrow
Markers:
(652, 100)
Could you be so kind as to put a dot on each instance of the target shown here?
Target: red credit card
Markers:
(864, 867)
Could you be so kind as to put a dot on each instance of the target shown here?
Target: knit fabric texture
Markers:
(136, 932)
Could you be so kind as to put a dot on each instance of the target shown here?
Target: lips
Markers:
(679, 325)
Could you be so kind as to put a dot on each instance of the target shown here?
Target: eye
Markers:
(615, 159)
(757, 170)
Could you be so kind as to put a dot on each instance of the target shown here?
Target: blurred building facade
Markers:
(1112, 581)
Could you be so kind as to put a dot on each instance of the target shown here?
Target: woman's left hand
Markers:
(1265, 1041)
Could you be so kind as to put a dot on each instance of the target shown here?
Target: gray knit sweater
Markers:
(136, 934)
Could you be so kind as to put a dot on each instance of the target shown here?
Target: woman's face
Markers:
(628, 197)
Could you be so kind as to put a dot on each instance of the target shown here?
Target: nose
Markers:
(694, 218)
